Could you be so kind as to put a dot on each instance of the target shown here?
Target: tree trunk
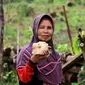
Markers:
(1, 38)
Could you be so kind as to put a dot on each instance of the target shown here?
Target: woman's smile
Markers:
(45, 36)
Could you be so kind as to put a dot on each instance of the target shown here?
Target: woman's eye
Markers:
(42, 27)
(49, 27)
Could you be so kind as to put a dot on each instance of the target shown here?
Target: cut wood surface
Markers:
(72, 62)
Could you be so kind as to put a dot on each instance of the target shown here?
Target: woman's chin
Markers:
(45, 40)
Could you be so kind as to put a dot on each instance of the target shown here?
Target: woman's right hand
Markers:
(38, 57)
(40, 51)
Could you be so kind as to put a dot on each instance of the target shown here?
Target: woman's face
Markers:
(45, 30)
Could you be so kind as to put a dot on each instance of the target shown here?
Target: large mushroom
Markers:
(40, 48)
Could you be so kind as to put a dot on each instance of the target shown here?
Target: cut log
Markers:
(70, 63)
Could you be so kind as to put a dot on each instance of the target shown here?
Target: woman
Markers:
(40, 69)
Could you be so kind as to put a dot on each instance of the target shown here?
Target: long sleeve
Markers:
(25, 73)
(24, 67)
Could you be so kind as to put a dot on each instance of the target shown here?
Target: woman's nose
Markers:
(45, 30)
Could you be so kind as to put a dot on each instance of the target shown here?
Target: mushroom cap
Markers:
(40, 48)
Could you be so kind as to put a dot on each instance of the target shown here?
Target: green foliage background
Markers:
(19, 14)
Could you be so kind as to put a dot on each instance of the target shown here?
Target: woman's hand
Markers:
(40, 51)
(37, 58)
